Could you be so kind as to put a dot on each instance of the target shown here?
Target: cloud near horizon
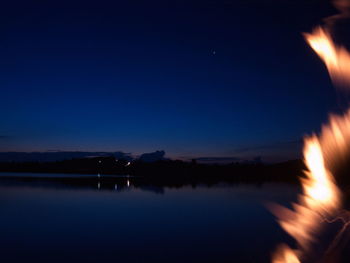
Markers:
(271, 146)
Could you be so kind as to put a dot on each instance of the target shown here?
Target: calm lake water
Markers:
(60, 222)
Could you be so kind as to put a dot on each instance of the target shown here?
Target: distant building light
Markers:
(128, 164)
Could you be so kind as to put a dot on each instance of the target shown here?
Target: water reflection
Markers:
(108, 183)
(95, 218)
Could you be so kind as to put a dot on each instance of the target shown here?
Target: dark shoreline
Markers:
(162, 173)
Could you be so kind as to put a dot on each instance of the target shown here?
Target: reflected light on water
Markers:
(76, 223)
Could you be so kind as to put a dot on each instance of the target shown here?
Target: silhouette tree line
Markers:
(164, 170)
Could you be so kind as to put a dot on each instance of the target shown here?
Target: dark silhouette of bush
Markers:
(165, 170)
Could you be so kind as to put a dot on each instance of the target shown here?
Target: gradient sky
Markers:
(193, 78)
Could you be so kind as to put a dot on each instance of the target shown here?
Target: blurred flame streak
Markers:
(286, 255)
(321, 198)
(336, 58)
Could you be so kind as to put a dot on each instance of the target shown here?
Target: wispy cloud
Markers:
(221, 159)
(270, 146)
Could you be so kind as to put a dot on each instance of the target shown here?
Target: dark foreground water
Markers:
(48, 221)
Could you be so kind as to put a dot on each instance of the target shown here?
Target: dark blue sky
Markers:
(194, 78)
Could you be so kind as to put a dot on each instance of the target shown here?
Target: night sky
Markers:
(201, 78)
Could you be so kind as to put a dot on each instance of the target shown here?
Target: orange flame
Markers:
(336, 58)
(286, 255)
(321, 198)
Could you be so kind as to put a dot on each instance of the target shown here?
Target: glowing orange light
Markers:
(336, 58)
(321, 198)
